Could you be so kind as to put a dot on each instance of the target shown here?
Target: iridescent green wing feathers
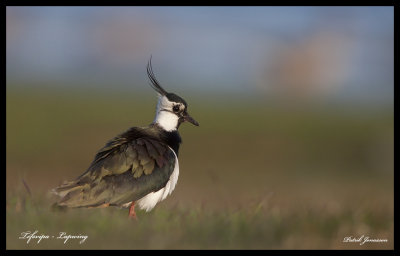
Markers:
(124, 170)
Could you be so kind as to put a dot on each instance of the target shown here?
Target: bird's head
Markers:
(171, 109)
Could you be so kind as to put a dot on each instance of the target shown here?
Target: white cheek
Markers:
(167, 120)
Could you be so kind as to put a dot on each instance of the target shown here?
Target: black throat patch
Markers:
(172, 139)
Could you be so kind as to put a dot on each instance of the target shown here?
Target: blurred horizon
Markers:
(324, 53)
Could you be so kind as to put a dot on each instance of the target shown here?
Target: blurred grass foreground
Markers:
(254, 175)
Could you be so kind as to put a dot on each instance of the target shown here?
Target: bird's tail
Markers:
(69, 193)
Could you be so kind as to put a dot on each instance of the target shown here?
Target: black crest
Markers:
(156, 86)
(154, 83)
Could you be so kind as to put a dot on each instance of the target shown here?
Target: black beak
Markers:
(188, 118)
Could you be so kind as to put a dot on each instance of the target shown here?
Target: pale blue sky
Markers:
(211, 49)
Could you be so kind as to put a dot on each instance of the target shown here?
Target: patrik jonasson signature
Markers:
(28, 235)
(363, 239)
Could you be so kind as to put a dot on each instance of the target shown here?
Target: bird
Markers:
(137, 167)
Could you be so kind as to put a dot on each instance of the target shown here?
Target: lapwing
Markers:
(138, 167)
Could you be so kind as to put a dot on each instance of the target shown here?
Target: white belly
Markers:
(150, 200)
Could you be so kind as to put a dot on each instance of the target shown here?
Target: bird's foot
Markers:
(132, 213)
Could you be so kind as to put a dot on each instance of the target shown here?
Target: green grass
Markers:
(254, 175)
(197, 227)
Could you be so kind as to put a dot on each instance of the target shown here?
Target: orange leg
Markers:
(132, 213)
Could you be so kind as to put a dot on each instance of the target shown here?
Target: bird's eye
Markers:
(176, 108)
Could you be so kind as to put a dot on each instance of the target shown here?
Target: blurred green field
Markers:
(254, 175)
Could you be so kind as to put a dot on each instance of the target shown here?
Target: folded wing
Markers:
(122, 171)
